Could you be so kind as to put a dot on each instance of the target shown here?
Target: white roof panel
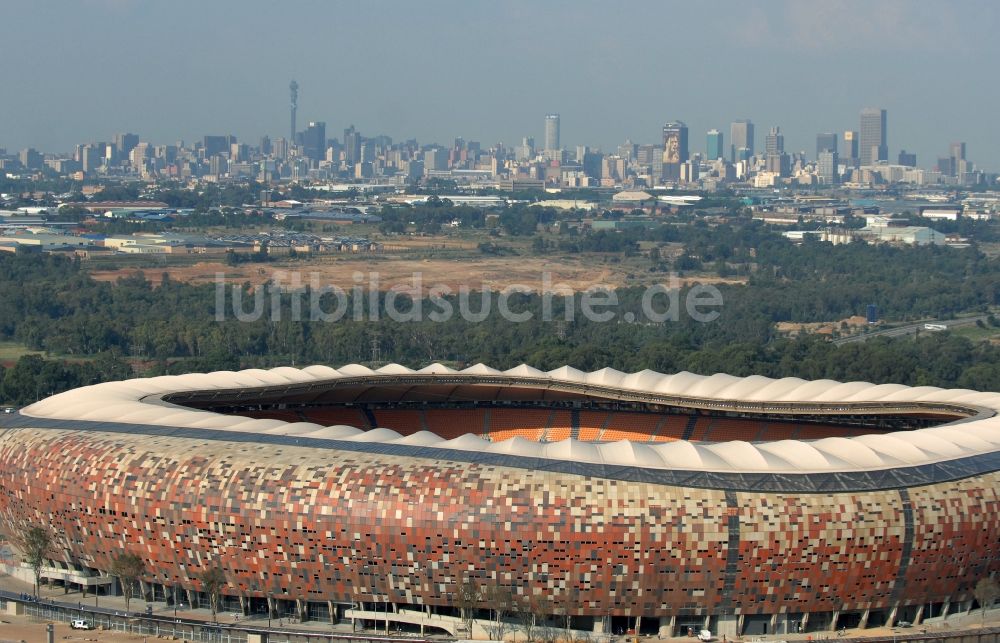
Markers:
(137, 401)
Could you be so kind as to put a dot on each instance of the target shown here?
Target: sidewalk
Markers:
(116, 604)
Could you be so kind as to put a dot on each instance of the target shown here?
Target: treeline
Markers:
(49, 304)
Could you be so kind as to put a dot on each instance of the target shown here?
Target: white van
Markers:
(705, 635)
(80, 624)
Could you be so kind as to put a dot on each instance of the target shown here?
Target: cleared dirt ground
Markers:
(20, 628)
(578, 273)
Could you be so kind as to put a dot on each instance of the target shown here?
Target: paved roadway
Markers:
(909, 329)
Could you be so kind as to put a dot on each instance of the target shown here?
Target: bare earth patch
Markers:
(821, 328)
(21, 628)
(576, 273)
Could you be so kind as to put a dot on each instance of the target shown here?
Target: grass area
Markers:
(12, 351)
(977, 334)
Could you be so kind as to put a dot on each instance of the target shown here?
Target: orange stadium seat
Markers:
(506, 423)
(450, 424)
(332, 416)
(404, 421)
(591, 423)
(284, 415)
(559, 427)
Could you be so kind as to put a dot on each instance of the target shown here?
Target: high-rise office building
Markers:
(314, 141)
(907, 158)
(552, 132)
(741, 140)
(826, 142)
(293, 89)
(124, 144)
(30, 158)
(714, 145)
(218, 144)
(956, 152)
(526, 150)
(774, 142)
(628, 150)
(352, 145)
(826, 166)
(675, 149)
(873, 147)
(779, 163)
(850, 151)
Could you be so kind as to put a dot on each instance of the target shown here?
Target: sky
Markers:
(81, 70)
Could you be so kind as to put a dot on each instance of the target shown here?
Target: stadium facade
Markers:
(643, 500)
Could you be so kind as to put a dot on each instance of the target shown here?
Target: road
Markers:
(909, 329)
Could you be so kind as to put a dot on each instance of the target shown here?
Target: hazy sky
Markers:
(81, 70)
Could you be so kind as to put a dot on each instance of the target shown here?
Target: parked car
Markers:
(705, 635)
(80, 624)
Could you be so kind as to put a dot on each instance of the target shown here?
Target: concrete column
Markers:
(920, 615)
(893, 613)
(243, 605)
(271, 607)
(863, 623)
(667, 624)
(300, 610)
(833, 620)
(739, 625)
(727, 625)
(944, 608)
(805, 621)
(190, 598)
(773, 629)
(638, 623)
(143, 590)
(330, 607)
(599, 625)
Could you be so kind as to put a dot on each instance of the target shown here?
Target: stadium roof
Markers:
(141, 402)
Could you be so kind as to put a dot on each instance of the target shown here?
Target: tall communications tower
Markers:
(294, 89)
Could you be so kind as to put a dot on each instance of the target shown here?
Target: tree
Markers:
(527, 612)
(35, 543)
(499, 599)
(128, 568)
(213, 580)
(469, 595)
(987, 591)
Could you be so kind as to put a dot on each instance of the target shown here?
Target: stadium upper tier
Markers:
(643, 420)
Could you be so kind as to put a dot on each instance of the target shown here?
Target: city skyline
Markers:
(411, 85)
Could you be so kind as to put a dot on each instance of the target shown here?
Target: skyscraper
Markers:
(124, 144)
(774, 142)
(714, 145)
(552, 132)
(218, 144)
(826, 166)
(294, 89)
(826, 142)
(741, 140)
(352, 145)
(314, 141)
(675, 149)
(907, 159)
(850, 148)
(872, 146)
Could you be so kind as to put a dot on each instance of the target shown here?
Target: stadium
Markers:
(611, 500)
